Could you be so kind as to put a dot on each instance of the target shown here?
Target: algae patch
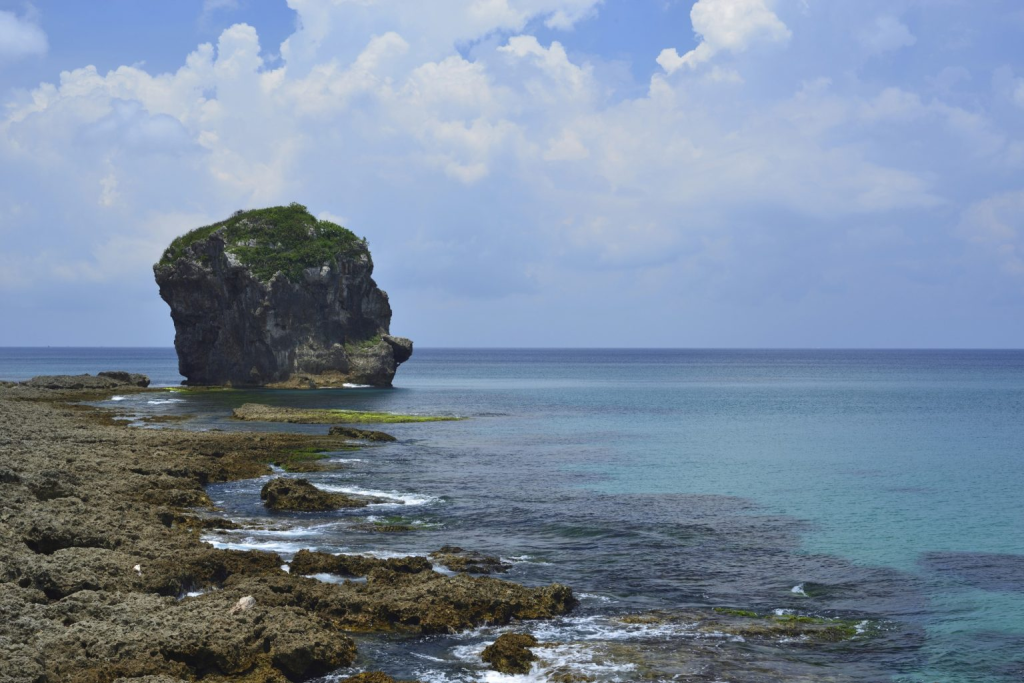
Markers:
(256, 412)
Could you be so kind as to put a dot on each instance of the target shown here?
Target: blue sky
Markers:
(736, 173)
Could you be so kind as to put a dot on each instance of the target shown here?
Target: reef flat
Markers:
(104, 577)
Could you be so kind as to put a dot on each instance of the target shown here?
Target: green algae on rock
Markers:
(276, 297)
(258, 412)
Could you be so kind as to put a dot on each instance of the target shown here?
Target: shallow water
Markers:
(884, 484)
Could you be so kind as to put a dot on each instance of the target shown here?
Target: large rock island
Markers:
(276, 297)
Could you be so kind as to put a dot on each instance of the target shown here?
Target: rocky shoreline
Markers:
(104, 577)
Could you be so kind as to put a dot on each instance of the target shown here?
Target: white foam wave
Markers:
(280, 532)
(583, 659)
(164, 401)
(798, 590)
(598, 628)
(592, 596)
(335, 578)
(118, 398)
(349, 385)
(392, 497)
(280, 547)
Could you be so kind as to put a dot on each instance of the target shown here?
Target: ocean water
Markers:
(878, 486)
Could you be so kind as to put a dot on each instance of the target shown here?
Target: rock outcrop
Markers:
(299, 495)
(276, 297)
(510, 653)
(113, 379)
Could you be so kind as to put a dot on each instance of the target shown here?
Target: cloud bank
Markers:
(514, 195)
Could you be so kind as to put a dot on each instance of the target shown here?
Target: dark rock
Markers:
(299, 495)
(131, 378)
(104, 380)
(275, 297)
(424, 602)
(310, 562)
(510, 653)
(401, 347)
(361, 434)
(372, 677)
(460, 560)
(52, 484)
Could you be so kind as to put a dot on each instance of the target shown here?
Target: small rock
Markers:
(460, 560)
(285, 493)
(510, 653)
(361, 434)
(243, 605)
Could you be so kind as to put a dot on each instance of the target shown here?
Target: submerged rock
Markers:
(276, 297)
(510, 653)
(460, 560)
(299, 495)
(361, 434)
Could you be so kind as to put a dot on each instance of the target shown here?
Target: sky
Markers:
(555, 173)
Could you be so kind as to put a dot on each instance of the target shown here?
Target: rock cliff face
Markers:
(274, 297)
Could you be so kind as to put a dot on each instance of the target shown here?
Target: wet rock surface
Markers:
(311, 562)
(114, 379)
(360, 434)
(276, 297)
(299, 495)
(460, 560)
(103, 576)
(510, 653)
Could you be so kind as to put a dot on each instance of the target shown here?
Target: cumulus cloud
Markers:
(726, 26)
(481, 160)
(20, 37)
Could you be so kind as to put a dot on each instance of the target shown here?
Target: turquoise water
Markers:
(885, 483)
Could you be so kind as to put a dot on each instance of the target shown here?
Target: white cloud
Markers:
(887, 34)
(20, 37)
(726, 26)
(511, 167)
(997, 225)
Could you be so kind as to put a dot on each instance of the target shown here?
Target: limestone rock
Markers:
(459, 560)
(312, 562)
(299, 495)
(105, 380)
(510, 653)
(361, 434)
(276, 297)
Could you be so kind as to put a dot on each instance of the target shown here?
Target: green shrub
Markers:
(285, 239)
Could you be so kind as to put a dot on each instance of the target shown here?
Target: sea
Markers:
(883, 488)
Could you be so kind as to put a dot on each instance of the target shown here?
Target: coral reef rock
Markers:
(275, 297)
(510, 653)
(299, 495)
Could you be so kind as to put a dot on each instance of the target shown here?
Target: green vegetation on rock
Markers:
(256, 412)
(279, 239)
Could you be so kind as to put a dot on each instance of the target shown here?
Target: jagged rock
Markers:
(104, 380)
(299, 495)
(424, 602)
(276, 297)
(312, 562)
(133, 378)
(372, 677)
(460, 560)
(510, 653)
(361, 434)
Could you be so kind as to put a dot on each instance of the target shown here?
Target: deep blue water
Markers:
(876, 485)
